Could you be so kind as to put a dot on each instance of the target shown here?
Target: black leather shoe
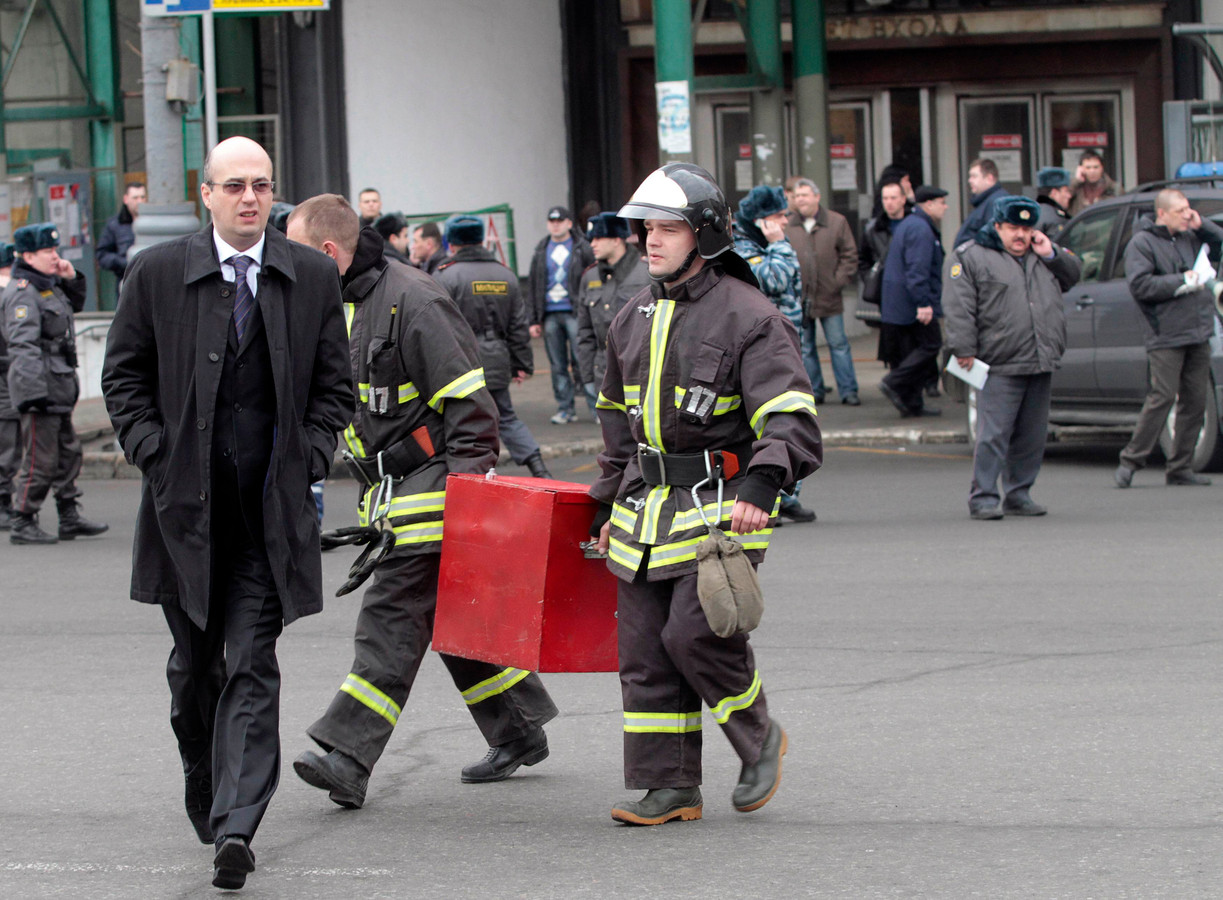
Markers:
(502, 762)
(199, 805)
(661, 805)
(25, 530)
(1027, 508)
(851, 400)
(796, 512)
(535, 465)
(233, 862)
(819, 398)
(758, 783)
(888, 391)
(73, 525)
(1187, 478)
(1123, 477)
(926, 412)
(344, 779)
(984, 513)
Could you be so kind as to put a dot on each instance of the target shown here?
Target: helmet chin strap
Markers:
(672, 277)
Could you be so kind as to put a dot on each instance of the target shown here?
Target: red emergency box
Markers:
(515, 588)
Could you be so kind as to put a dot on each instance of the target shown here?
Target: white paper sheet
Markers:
(975, 376)
(1203, 267)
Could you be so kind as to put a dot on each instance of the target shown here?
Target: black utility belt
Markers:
(689, 469)
(398, 461)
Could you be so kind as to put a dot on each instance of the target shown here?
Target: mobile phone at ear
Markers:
(760, 224)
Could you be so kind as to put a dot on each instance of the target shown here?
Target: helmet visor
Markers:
(637, 210)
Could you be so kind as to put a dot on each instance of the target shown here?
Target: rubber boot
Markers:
(26, 531)
(72, 524)
(535, 462)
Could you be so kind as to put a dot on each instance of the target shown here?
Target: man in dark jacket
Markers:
(393, 229)
(38, 307)
(704, 386)
(1178, 312)
(487, 294)
(118, 235)
(556, 271)
(422, 414)
(1053, 195)
(986, 191)
(1004, 307)
(10, 419)
(427, 250)
(877, 237)
(227, 379)
(911, 305)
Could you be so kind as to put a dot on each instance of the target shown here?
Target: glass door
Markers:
(851, 164)
(733, 127)
(1078, 122)
(1001, 129)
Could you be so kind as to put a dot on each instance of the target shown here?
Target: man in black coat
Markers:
(118, 234)
(227, 379)
(986, 191)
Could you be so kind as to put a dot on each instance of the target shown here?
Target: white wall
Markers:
(458, 105)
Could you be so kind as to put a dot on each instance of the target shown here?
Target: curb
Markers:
(109, 464)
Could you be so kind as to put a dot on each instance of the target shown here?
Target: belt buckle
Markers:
(644, 452)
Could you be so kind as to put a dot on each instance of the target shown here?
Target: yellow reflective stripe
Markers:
(365, 693)
(722, 711)
(350, 313)
(691, 518)
(651, 402)
(685, 551)
(491, 687)
(363, 392)
(353, 442)
(466, 384)
(632, 394)
(407, 505)
(624, 554)
(721, 407)
(408, 392)
(417, 533)
(662, 723)
(790, 401)
(651, 513)
(604, 403)
(624, 518)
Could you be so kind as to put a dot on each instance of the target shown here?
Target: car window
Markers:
(1088, 239)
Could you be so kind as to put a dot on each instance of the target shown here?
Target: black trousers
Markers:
(50, 459)
(394, 629)
(10, 455)
(670, 660)
(917, 347)
(225, 685)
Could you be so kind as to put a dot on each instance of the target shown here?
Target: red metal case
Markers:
(515, 588)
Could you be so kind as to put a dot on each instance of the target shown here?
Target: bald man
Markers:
(227, 379)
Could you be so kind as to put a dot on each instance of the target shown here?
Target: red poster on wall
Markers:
(1087, 139)
(1002, 141)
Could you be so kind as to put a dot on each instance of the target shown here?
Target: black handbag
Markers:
(872, 283)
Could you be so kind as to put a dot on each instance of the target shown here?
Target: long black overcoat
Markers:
(164, 357)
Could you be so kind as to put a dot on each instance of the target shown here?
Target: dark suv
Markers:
(1103, 377)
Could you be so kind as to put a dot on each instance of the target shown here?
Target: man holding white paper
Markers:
(1002, 303)
(1171, 281)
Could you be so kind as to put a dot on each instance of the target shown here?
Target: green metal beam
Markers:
(22, 28)
(709, 84)
(673, 62)
(54, 113)
(63, 36)
(102, 59)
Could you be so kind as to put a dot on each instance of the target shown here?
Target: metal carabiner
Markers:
(709, 476)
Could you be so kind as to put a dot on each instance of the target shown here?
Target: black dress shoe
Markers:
(1186, 478)
(758, 783)
(503, 761)
(233, 862)
(890, 392)
(344, 779)
(795, 512)
(199, 805)
(661, 805)
(925, 412)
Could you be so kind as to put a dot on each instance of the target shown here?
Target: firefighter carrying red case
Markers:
(515, 588)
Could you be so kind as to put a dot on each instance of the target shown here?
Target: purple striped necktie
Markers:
(244, 300)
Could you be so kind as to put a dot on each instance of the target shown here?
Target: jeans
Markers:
(561, 342)
(842, 356)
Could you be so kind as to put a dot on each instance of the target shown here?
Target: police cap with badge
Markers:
(1014, 210)
(32, 238)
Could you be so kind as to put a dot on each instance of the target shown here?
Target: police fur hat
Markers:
(7, 255)
(1052, 177)
(278, 218)
(762, 200)
(464, 230)
(607, 225)
(32, 238)
(1017, 211)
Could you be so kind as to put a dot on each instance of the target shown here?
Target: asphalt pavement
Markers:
(1023, 708)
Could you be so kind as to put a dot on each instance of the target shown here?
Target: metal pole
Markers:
(811, 91)
(768, 108)
(210, 80)
(673, 79)
(167, 214)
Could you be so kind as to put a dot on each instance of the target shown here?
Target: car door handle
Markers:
(1083, 302)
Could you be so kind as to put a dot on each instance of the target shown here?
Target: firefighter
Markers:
(39, 302)
(422, 411)
(704, 384)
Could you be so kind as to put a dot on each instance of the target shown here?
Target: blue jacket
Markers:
(982, 212)
(775, 267)
(913, 273)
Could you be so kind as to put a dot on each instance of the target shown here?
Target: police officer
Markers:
(704, 382)
(38, 302)
(422, 412)
(10, 420)
(618, 274)
(487, 294)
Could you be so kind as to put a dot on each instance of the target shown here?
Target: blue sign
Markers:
(176, 7)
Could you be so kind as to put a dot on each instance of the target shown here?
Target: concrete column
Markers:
(768, 107)
(673, 70)
(811, 92)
